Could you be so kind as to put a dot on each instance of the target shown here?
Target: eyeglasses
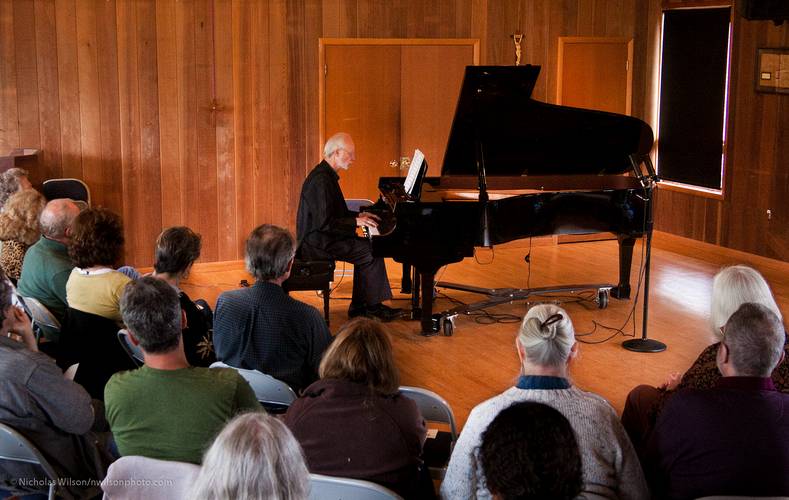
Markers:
(352, 154)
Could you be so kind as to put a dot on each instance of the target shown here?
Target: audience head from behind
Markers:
(152, 313)
(546, 341)
(734, 286)
(96, 239)
(529, 451)
(177, 248)
(270, 251)
(362, 353)
(752, 343)
(255, 457)
(20, 216)
(12, 181)
(57, 219)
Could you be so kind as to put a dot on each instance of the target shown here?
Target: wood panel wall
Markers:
(757, 166)
(204, 112)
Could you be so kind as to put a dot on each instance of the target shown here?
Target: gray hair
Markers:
(337, 141)
(255, 457)
(57, 217)
(547, 335)
(152, 311)
(734, 286)
(269, 251)
(755, 337)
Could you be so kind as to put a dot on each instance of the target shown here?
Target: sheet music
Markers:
(413, 171)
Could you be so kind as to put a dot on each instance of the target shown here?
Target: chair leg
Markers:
(326, 293)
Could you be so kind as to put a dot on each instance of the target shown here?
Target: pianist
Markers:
(327, 230)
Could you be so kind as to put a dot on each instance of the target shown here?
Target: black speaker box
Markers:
(759, 10)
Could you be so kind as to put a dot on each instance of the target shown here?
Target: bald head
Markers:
(339, 151)
(57, 218)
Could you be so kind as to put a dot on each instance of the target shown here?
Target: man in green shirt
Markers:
(167, 409)
(47, 266)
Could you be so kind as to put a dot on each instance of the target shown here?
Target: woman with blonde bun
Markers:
(546, 347)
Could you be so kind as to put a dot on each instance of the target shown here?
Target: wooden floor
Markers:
(480, 361)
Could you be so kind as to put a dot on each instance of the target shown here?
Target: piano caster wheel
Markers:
(448, 325)
(602, 298)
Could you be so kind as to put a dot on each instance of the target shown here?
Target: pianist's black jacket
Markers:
(323, 220)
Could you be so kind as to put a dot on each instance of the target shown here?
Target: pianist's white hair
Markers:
(734, 286)
(337, 141)
(547, 335)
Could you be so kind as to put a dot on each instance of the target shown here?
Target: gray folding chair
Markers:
(273, 394)
(75, 189)
(340, 488)
(434, 408)
(43, 321)
(16, 448)
(134, 351)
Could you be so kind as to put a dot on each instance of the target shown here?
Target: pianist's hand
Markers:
(366, 219)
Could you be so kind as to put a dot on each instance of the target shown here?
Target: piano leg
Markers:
(428, 279)
(405, 283)
(622, 290)
(416, 311)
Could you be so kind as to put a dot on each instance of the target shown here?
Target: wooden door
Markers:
(362, 98)
(431, 80)
(392, 96)
(595, 73)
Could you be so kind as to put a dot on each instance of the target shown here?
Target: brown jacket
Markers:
(346, 431)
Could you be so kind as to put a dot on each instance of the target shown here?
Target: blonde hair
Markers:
(19, 219)
(255, 457)
(362, 353)
(547, 335)
(734, 286)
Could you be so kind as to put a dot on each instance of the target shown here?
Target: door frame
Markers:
(567, 40)
(324, 42)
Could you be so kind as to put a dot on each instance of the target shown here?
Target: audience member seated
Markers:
(529, 452)
(12, 180)
(732, 439)
(354, 422)
(255, 457)
(19, 228)
(54, 413)
(94, 286)
(261, 327)
(177, 248)
(167, 409)
(47, 266)
(731, 287)
(546, 346)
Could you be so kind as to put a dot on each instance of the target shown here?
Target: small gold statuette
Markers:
(517, 37)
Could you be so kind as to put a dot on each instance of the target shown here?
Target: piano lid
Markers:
(521, 136)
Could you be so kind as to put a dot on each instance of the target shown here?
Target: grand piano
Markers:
(516, 168)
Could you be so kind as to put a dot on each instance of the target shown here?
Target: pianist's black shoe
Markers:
(380, 311)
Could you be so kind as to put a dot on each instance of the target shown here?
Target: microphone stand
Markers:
(645, 344)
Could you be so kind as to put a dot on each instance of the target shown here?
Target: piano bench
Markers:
(312, 275)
